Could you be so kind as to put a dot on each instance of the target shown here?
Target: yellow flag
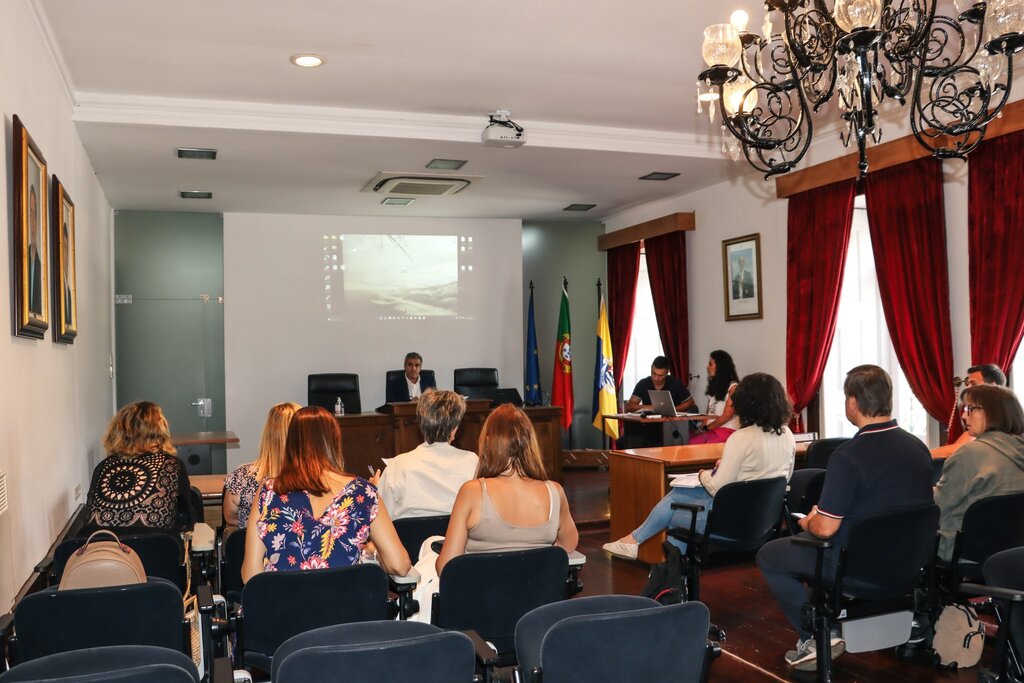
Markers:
(604, 376)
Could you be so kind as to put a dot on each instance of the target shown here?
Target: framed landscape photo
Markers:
(65, 291)
(741, 271)
(31, 251)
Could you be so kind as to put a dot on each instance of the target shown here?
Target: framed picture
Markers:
(31, 252)
(741, 270)
(65, 292)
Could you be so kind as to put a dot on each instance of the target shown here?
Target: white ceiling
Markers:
(604, 88)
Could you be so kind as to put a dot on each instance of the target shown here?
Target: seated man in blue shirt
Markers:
(409, 386)
(881, 468)
(640, 436)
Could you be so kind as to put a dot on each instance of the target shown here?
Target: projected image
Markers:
(392, 276)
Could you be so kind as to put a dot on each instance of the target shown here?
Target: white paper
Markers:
(686, 481)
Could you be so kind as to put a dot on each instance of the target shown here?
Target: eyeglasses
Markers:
(968, 408)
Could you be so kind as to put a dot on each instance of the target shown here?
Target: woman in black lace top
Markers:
(141, 485)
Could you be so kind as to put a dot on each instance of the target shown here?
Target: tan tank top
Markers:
(493, 534)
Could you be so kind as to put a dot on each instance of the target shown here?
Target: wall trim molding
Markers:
(673, 222)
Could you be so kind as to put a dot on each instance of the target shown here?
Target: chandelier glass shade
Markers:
(955, 73)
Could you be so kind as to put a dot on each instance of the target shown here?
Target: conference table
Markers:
(638, 479)
(672, 432)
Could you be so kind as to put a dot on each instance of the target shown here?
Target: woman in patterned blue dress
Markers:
(313, 515)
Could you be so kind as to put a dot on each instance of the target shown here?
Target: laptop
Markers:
(662, 403)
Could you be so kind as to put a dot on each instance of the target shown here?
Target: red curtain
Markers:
(623, 266)
(818, 235)
(995, 247)
(666, 266)
(908, 238)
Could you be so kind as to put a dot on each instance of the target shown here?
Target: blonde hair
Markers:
(508, 443)
(138, 428)
(273, 438)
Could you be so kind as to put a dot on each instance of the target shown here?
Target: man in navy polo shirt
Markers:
(881, 468)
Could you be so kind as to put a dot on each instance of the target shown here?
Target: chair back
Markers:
(376, 651)
(412, 531)
(231, 570)
(476, 382)
(323, 389)
(490, 592)
(279, 605)
(805, 489)
(819, 452)
(613, 638)
(160, 554)
(120, 663)
(745, 514)
(990, 525)
(53, 621)
(1005, 569)
(884, 553)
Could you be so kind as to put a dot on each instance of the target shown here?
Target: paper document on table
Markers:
(686, 481)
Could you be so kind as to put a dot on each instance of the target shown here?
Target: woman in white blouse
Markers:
(722, 381)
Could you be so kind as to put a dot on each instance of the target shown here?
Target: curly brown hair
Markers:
(138, 428)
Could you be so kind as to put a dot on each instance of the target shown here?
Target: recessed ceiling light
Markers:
(579, 207)
(307, 60)
(397, 201)
(658, 175)
(197, 153)
(447, 164)
(195, 194)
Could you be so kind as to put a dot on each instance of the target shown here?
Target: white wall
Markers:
(276, 330)
(57, 398)
(747, 206)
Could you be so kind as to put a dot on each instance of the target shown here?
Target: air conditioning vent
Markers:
(418, 185)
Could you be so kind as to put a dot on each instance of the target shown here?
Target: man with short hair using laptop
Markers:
(660, 380)
(881, 468)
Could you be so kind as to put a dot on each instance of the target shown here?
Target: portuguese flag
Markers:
(561, 384)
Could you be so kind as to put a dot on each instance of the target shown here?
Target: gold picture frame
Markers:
(741, 273)
(65, 290)
(31, 246)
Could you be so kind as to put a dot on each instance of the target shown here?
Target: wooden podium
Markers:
(366, 438)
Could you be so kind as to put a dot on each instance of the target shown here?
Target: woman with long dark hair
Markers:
(763, 448)
(722, 381)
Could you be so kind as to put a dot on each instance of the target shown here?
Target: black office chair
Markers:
(279, 605)
(490, 592)
(53, 621)
(989, 526)
(119, 663)
(324, 389)
(620, 638)
(476, 382)
(876, 571)
(412, 531)
(371, 652)
(160, 554)
(802, 494)
(426, 377)
(233, 553)
(744, 517)
(819, 452)
(1004, 576)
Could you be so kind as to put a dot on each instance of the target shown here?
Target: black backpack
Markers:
(665, 582)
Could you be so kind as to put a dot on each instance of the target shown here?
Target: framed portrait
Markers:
(741, 271)
(65, 291)
(31, 246)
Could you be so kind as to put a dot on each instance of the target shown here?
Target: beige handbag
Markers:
(102, 563)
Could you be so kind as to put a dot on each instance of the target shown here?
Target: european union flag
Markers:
(532, 394)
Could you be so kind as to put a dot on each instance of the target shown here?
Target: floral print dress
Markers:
(295, 539)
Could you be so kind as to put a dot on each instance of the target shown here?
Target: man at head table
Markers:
(409, 386)
(986, 373)
(660, 380)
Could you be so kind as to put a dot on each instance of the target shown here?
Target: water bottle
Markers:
(339, 407)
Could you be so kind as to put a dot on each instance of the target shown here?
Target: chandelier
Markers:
(956, 73)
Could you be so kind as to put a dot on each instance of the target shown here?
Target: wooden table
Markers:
(196, 450)
(636, 418)
(639, 479)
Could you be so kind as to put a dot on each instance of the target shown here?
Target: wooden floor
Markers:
(738, 598)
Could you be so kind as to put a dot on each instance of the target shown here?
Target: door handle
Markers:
(204, 407)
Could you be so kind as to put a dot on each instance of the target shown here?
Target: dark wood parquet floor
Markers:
(735, 593)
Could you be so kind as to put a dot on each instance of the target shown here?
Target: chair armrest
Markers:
(577, 559)
(204, 598)
(203, 538)
(485, 654)
(413, 577)
(436, 546)
(688, 506)
(813, 542)
(45, 565)
(992, 591)
(221, 671)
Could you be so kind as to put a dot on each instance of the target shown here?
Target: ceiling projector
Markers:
(502, 131)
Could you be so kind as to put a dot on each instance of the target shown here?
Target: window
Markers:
(862, 337)
(645, 342)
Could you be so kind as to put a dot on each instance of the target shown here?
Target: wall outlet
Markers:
(78, 492)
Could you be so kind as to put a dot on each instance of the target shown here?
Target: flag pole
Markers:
(565, 285)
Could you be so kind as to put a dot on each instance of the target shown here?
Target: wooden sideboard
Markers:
(366, 438)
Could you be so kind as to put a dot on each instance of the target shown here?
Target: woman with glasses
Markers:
(991, 465)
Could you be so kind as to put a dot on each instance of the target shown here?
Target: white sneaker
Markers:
(626, 551)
